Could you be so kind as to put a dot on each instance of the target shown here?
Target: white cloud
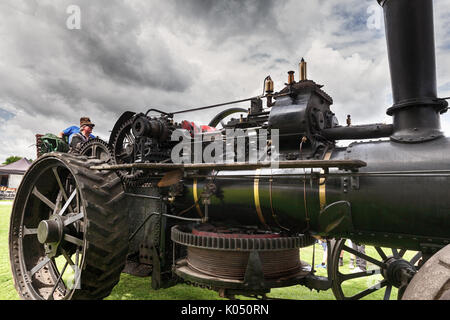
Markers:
(130, 55)
(358, 85)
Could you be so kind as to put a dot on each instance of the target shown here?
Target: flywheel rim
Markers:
(122, 152)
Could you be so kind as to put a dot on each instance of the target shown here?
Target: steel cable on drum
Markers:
(233, 264)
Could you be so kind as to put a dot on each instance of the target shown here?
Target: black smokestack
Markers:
(411, 50)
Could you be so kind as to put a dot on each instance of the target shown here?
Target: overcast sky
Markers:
(136, 54)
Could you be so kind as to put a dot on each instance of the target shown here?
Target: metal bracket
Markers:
(336, 216)
(316, 282)
(156, 271)
(254, 276)
(354, 181)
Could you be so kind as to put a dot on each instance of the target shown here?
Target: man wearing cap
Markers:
(68, 133)
(84, 134)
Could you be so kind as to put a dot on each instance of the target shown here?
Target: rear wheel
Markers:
(68, 232)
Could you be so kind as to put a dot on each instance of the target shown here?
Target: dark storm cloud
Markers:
(257, 58)
(227, 19)
(217, 13)
(56, 70)
(109, 42)
(183, 53)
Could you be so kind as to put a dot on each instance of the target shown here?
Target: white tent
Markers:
(11, 175)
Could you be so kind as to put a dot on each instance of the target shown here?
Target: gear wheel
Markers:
(97, 149)
(123, 151)
(69, 231)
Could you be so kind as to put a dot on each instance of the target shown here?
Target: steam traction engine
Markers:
(237, 226)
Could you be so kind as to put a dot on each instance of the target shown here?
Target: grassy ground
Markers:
(7, 291)
(133, 288)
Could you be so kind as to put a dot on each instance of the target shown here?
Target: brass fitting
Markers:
(302, 67)
(268, 85)
(291, 79)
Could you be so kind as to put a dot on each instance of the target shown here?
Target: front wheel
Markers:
(379, 273)
(68, 230)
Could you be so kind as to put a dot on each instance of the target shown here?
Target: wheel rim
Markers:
(52, 240)
(384, 269)
(49, 233)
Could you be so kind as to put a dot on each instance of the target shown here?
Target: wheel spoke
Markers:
(387, 293)
(370, 290)
(77, 257)
(28, 231)
(74, 218)
(50, 297)
(395, 253)
(73, 240)
(77, 200)
(416, 258)
(381, 253)
(43, 198)
(355, 275)
(58, 180)
(130, 138)
(61, 187)
(39, 266)
(365, 257)
(69, 259)
(74, 267)
(68, 202)
(58, 203)
(402, 253)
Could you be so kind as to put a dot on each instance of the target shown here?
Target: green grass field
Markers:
(134, 288)
(7, 291)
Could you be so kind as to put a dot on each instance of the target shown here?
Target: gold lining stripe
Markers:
(256, 196)
(197, 205)
(322, 184)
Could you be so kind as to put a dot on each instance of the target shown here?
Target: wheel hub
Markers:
(129, 149)
(397, 269)
(50, 231)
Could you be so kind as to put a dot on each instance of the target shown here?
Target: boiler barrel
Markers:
(405, 197)
(398, 200)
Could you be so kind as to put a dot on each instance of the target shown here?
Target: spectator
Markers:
(325, 254)
(361, 264)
